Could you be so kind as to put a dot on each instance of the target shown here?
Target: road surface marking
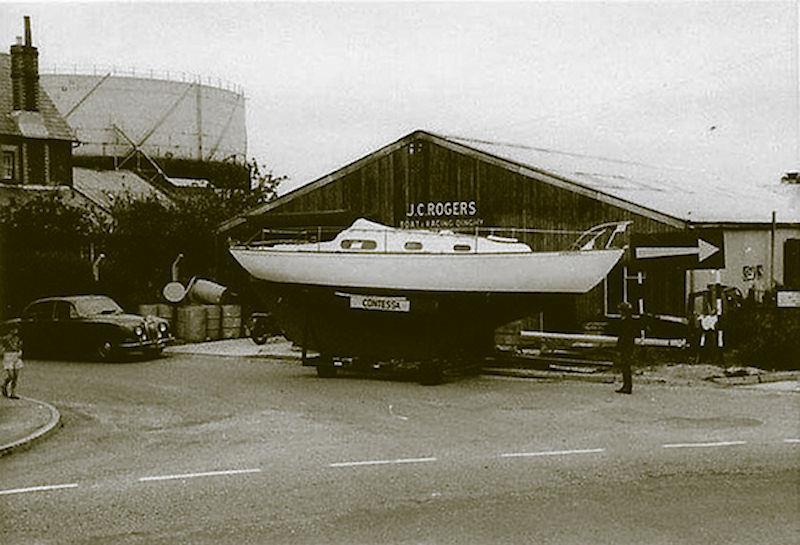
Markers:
(38, 488)
(391, 412)
(703, 445)
(791, 440)
(550, 453)
(382, 462)
(203, 474)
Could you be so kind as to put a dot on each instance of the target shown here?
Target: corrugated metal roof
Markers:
(47, 123)
(691, 196)
(104, 187)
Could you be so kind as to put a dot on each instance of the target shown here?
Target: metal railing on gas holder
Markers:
(603, 236)
(133, 72)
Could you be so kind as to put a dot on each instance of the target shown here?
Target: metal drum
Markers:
(167, 312)
(205, 291)
(231, 321)
(213, 322)
(148, 310)
(191, 324)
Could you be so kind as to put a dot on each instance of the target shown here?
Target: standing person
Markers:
(12, 362)
(628, 330)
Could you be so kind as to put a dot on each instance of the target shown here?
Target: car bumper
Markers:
(142, 346)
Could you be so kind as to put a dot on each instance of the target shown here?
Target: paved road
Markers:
(222, 450)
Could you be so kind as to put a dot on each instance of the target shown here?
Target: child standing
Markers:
(12, 362)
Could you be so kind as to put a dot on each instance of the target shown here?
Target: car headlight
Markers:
(138, 331)
(162, 327)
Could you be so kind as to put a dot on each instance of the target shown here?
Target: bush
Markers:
(148, 236)
(772, 338)
(45, 248)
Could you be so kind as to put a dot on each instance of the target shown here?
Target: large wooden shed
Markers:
(433, 181)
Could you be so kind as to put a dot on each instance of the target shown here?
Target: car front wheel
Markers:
(156, 351)
(105, 350)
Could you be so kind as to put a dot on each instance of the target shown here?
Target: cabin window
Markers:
(462, 248)
(413, 245)
(355, 244)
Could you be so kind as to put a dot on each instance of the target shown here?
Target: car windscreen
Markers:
(39, 311)
(97, 305)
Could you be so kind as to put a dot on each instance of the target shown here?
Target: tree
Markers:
(45, 249)
(263, 184)
(149, 234)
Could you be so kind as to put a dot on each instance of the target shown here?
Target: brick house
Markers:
(35, 141)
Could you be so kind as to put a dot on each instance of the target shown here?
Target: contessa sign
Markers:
(441, 214)
(379, 303)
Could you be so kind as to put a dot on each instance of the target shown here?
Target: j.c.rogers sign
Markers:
(440, 209)
(441, 214)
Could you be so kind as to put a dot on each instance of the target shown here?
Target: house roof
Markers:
(21, 194)
(104, 187)
(674, 196)
(93, 190)
(47, 123)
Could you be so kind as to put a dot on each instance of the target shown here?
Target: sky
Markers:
(700, 86)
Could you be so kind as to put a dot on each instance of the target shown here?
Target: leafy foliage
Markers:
(263, 185)
(47, 244)
(772, 340)
(47, 220)
(149, 235)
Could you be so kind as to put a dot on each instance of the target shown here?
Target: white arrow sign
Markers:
(703, 250)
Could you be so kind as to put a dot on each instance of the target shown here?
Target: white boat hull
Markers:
(572, 272)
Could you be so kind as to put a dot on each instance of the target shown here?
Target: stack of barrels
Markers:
(199, 323)
(162, 310)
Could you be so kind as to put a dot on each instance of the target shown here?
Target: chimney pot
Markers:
(28, 40)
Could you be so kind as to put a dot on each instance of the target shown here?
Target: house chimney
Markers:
(28, 40)
(25, 72)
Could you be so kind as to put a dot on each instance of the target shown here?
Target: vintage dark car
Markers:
(89, 325)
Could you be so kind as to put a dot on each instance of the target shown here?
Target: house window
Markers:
(7, 167)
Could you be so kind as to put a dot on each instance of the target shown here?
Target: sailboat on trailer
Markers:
(371, 255)
(374, 291)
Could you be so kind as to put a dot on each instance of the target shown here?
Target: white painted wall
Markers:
(747, 248)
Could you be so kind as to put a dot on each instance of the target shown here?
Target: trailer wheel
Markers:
(364, 365)
(430, 373)
(260, 329)
(325, 368)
